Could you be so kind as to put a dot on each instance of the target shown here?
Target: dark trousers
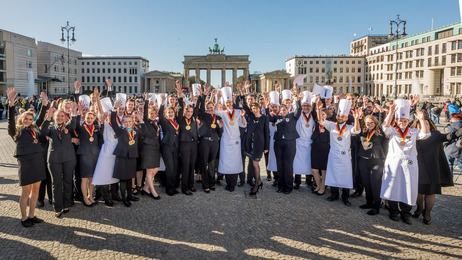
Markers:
(126, 189)
(231, 180)
(371, 175)
(357, 183)
(308, 179)
(395, 207)
(45, 185)
(285, 154)
(334, 191)
(188, 152)
(207, 154)
(61, 176)
(170, 156)
(104, 191)
(77, 180)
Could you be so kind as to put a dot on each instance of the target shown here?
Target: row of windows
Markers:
(109, 63)
(114, 79)
(335, 62)
(131, 71)
(63, 59)
(124, 89)
(334, 79)
(400, 75)
(456, 71)
(323, 70)
(63, 69)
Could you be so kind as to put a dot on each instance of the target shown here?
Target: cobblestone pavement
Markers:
(224, 225)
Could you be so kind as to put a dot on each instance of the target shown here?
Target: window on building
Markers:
(120, 70)
(459, 71)
(136, 80)
(311, 62)
(443, 60)
(125, 89)
(454, 45)
(130, 79)
(311, 70)
(104, 63)
(83, 70)
(93, 63)
(83, 79)
(436, 61)
(305, 62)
(443, 48)
(64, 69)
(56, 59)
(460, 44)
(29, 52)
(437, 49)
(317, 62)
(120, 79)
(459, 57)
(136, 89)
(429, 50)
(88, 79)
(323, 62)
(113, 70)
(335, 62)
(104, 70)
(93, 79)
(98, 70)
(93, 70)
(323, 70)
(429, 62)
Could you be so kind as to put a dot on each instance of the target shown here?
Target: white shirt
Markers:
(231, 131)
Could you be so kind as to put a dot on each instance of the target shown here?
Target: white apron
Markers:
(272, 165)
(401, 171)
(302, 160)
(339, 171)
(106, 159)
(230, 156)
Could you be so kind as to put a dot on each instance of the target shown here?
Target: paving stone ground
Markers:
(224, 225)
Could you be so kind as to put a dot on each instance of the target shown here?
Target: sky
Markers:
(269, 31)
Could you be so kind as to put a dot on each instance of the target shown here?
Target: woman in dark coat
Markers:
(256, 140)
(29, 153)
(434, 171)
(321, 146)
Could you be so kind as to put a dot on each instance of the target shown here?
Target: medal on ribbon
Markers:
(368, 137)
(340, 131)
(307, 119)
(175, 125)
(90, 131)
(402, 135)
(188, 122)
(131, 136)
(231, 117)
(34, 135)
(214, 118)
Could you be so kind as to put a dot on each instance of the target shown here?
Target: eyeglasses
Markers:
(370, 123)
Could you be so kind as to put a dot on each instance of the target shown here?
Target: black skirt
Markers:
(87, 164)
(124, 168)
(31, 168)
(429, 189)
(319, 154)
(150, 156)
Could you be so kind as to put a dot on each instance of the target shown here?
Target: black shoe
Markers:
(218, 183)
(275, 183)
(133, 198)
(231, 189)
(171, 193)
(240, 184)
(280, 191)
(87, 205)
(287, 192)
(332, 198)
(373, 212)
(27, 223)
(59, 214)
(117, 198)
(356, 194)
(319, 194)
(416, 214)
(227, 187)
(156, 198)
(126, 203)
(193, 189)
(51, 202)
(36, 220)
(65, 211)
(268, 178)
(109, 203)
(40, 204)
(213, 188)
(251, 183)
(427, 222)
(346, 201)
(188, 192)
(207, 190)
(406, 220)
(393, 217)
(297, 186)
(365, 206)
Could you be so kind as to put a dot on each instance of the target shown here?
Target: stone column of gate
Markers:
(234, 79)
(209, 76)
(198, 76)
(246, 74)
(223, 77)
(186, 76)
(288, 84)
(146, 84)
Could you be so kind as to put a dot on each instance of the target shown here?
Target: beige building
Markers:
(52, 68)
(434, 58)
(161, 82)
(335, 71)
(18, 58)
(267, 81)
(362, 45)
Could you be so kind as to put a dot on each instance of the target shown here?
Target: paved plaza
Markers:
(224, 225)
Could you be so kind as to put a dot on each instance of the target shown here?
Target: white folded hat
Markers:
(274, 98)
(286, 94)
(344, 107)
(227, 93)
(403, 108)
(85, 99)
(106, 105)
(123, 97)
(306, 97)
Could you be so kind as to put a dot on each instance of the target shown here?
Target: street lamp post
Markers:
(68, 29)
(396, 36)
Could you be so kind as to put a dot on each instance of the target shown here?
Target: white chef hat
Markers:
(153, 97)
(195, 89)
(286, 94)
(106, 105)
(85, 99)
(274, 98)
(159, 100)
(306, 97)
(404, 108)
(123, 97)
(227, 93)
(344, 107)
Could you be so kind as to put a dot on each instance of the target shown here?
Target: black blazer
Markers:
(377, 149)
(123, 149)
(86, 146)
(185, 134)
(206, 130)
(286, 126)
(257, 130)
(24, 141)
(171, 135)
(60, 148)
(151, 133)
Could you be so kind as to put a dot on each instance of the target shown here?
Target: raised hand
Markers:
(162, 98)
(319, 105)
(207, 89)
(118, 104)
(219, 94)
(227, 84)
(278, 87)
(44, 98)
(77, 86)
(147, 96)
(242, 113)
(51, 112)
(419, 114)
(11, 93)
(139, 116)
(104, 116)
(241, 89)
(247, 86)
(299, 96)
(109, 84)
(96, 93)
(415, 100)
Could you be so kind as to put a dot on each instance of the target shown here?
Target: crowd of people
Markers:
(115, 147)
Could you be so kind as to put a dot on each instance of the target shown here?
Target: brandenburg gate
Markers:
(216, 60)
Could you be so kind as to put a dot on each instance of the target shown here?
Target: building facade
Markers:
(52, 68)
(362, 45)
(126, 72)
(18, 62)
(431, 60)
(335, 71)
(161, 82)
